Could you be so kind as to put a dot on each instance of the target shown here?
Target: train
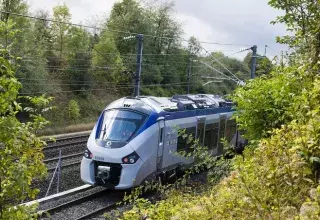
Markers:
(136, 138)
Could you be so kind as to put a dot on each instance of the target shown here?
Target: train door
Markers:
(200, 129)
(169, 146)
(222, 129)
(160, 144)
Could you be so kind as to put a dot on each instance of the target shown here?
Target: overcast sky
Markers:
(244, 22)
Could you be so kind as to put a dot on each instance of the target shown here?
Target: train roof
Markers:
(148, 104)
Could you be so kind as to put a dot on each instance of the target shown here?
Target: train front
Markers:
(110, 159)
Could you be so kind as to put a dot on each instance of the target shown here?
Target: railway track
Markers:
(72, 148)
(86, 206)
(66, 165)
(71, 151)
(67, 142)
(66, 161)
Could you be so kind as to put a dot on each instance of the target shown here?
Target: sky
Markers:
(240, 23)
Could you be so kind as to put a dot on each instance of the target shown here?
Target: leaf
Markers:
(315, 159)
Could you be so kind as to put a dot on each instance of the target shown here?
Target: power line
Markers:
(234, 53)
(272, 49)
(221, 64)
(116, 31)
(118, 87)
(217, 71)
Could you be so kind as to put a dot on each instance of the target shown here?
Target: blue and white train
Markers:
(135, 138)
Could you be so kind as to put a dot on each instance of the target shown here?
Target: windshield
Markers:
(120, 125)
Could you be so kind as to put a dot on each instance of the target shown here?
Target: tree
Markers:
(302, 18)
(60, 28)
(21, 157)
(127, 15)
(106, 60)
(37, 46)
(79, 60)
(73, 110)
(12, 22)
(194, 47)
(264, 65)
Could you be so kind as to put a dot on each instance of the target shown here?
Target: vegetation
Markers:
(97, 64)
(277, 177)
(20, 149)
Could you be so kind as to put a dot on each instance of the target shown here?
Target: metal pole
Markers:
(59, 171)
(138, 69)
(254, 61)
(54, 174)
(189, 73)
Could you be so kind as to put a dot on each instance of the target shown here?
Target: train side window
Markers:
(231, 129)
(211, 136)
(214, 137)
(183, 142)
(161, 135)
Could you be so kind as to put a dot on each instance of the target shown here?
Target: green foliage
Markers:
(277, 177)
(106, 56)
(21, 151)
(264, 103)
(302, 19)
(72, 62)
(181, 190)
(60, 30)
(264, 65)
(73, 110)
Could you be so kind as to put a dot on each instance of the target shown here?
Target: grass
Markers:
(67, 129)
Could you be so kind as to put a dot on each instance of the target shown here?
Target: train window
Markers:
(200, 132)
(211, 135)
(161, 135)
(183, 144)
(231, 129)
(120, 125)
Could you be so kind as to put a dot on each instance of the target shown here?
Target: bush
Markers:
(277, 175)
(73, 110)
(264, 103)
(21, 157)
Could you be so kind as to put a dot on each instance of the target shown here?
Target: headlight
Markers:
(87, 154)
(131, 158)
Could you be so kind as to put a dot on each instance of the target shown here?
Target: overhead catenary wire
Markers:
(221, 64)
(84, 68)
(116, 31)
(104, 89)
(272, 49)
(209, 66)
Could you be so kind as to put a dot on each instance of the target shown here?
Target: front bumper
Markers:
(121, 176)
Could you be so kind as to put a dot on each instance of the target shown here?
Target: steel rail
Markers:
(63, 157)
(65, 166)
(74, 202)
(67, 138)
(64, 144)
(98, 211)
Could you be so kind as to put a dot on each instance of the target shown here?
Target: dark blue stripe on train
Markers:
(194, 113)
(152, 119)
(99, 124)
